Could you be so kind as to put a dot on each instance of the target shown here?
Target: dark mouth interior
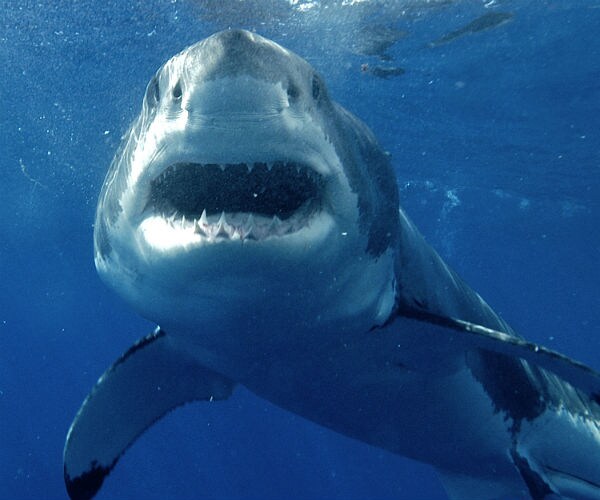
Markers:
(274, 189)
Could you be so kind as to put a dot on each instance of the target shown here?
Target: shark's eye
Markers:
(177, 93)
(293, 92)
(316, 87)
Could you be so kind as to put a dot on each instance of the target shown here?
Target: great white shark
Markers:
(258, 223)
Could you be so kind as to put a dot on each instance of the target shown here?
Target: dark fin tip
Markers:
(538, 488)
(87, 485)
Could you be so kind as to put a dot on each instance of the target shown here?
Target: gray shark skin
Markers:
(258, 223)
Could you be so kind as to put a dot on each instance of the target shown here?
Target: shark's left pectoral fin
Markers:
(467, 335)
(144, 384)
(575, 373)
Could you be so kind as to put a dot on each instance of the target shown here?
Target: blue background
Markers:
(495, 138)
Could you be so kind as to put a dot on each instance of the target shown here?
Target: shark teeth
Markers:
(242, 201)
(275, 188)
(238, 226)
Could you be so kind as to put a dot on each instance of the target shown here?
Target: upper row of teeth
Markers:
(250, 167)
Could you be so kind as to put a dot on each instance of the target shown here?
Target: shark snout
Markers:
(237, 72)
(235, 98)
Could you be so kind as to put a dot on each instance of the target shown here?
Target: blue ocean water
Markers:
(494, 135)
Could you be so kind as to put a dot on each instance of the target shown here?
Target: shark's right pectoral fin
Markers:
(144, 384)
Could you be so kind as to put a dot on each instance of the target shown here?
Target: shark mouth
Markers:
(237, 201)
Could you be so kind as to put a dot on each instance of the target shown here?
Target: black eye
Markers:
(153, 92)
(177, 91)
(316, 87)
(293, 91)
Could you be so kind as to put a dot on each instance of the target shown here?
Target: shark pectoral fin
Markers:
(467, 335)
(144, 384)
(577, 374)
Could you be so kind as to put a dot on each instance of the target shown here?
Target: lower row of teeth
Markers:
(238, 227)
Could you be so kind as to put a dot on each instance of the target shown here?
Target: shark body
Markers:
(258, 223)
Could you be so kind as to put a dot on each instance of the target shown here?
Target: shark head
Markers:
(242, 190)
